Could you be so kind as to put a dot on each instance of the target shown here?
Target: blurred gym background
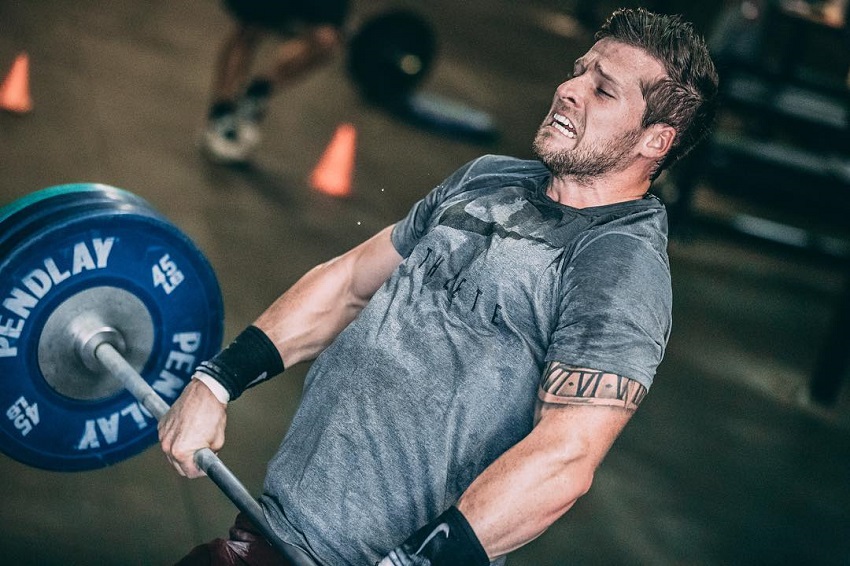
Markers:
(741, 453)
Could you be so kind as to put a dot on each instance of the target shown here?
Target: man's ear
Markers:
(658, 141)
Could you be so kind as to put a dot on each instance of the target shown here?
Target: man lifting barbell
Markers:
(426, 434)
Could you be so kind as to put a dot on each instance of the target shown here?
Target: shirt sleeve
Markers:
(615, 308)
(420, 218)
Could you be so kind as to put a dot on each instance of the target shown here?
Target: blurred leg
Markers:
(234, 61)
(296, 57)
(222, 141)
(237, 111)
(299, 55)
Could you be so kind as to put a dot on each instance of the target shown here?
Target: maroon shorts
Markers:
(245, 546)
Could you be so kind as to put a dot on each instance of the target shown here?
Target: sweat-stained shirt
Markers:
(439, 374)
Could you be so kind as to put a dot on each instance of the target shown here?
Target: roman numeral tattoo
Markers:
(562, 385)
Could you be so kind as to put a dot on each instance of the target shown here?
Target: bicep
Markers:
(311, 313)
(372, 263)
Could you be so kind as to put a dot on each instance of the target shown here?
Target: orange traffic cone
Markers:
(335, 169)
(15, 91)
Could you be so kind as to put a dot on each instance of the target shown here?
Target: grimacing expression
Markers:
(594, 124)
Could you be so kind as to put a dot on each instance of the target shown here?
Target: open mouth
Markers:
(563, 125)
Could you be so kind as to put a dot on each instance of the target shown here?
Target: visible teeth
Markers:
(563, 130)
(563, 125)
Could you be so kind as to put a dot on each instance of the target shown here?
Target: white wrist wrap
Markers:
(217, 388)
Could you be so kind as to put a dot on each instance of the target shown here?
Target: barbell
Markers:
(106, 308)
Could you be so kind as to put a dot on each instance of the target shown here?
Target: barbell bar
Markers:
(99, 348)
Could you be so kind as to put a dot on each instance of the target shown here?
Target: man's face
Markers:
(594, 124)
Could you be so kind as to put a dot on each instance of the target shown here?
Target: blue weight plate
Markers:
(35, 197)
(66, 189)
(30, 222)
(138, 252)
(34, 209)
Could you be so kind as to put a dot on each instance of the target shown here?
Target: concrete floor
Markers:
(725, 463)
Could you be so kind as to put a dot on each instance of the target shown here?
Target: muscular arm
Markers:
(307, 317)
(579, 415)
(301, 323)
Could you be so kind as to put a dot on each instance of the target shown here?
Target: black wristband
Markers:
(448, 540)
(250, 359)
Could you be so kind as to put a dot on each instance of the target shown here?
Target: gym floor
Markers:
(727, 462)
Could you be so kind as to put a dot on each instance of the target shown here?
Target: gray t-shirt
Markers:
(439, 374)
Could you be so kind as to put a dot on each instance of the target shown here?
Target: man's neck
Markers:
(598, 191)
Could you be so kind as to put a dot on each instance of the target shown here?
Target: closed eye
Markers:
(604, 92)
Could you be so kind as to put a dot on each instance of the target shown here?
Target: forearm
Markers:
(512, 502)
(523, 492)
(308, 316)
(535, 482)
(298, 325)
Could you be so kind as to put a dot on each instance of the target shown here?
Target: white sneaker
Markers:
(250, 111)
(224, 141)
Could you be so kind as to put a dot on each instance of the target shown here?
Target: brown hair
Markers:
(686, 98)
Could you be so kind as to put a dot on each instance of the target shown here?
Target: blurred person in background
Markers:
(308, 33)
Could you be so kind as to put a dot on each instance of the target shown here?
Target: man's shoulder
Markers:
(493, 171)
(635, 229)
(492, 164)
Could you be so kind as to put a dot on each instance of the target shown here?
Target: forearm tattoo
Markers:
(564, 385)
